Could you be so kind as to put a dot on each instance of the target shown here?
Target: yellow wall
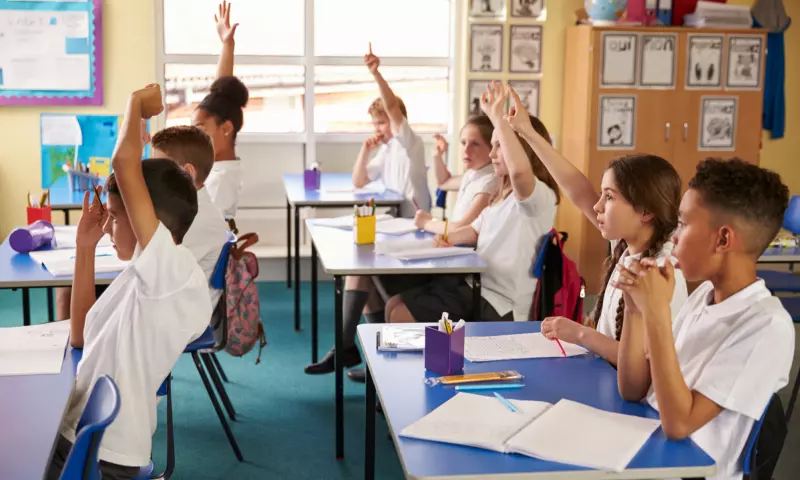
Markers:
(128, 64)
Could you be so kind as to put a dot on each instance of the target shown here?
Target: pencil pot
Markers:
(35, 235)
(39, 213)
(364, 230)
(311, 179)
(444, 354)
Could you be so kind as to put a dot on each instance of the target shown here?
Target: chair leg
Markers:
(219, 367)
(215, 403)
(793, 398)
(170, 435)
(223, 394)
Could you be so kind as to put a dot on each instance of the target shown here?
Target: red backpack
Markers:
(560, 290)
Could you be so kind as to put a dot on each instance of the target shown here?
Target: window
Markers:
(275, 62)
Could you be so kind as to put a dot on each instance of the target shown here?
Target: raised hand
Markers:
(441, 146)
(150, 100)
(93, 218)
(223, 20)
(518, 116)
(372, 61)
(493, 101)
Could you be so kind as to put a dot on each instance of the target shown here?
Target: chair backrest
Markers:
(101, 409)
(218, 276)
(791, 219)
(764, 445)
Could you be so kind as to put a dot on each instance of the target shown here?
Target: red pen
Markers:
(561, 347)
(416, 205)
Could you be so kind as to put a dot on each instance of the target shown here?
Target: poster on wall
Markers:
(486, 48)
(704, 62)
(527, 8)
(526, 49)
(657, 60)
(619, 60)
(488, 8)
(718, 123)
(476, 89)
(617, 122)
(744, 62)
(528, 91)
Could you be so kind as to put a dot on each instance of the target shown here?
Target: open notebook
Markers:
(65, 237)
(34, 350)
(422, 249)
(345, 222)
(559, 433)
(515, 347)
(61, 263)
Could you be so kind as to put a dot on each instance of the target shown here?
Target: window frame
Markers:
(309, 60)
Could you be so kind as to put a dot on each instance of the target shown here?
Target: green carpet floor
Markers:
(285, 424)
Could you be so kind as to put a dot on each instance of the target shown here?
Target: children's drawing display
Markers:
(51, 52)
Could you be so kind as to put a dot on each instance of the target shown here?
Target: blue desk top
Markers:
(780, 255)
(339, 255)
(31, 409)
(300, 197)
(399, 381)
(19, 270)
(61, 198)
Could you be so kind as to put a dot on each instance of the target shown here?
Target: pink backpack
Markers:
(242, 306)
(560, 290)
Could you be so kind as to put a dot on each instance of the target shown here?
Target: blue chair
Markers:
(101, 409)
(785, 282)
(792, 305)
(441, 202)
(752, 469)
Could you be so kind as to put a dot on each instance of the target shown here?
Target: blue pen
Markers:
(97, 255)
(505, 402)
(477, 388)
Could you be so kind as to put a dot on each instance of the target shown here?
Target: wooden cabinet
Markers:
(667, 120)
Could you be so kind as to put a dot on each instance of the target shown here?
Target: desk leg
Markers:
(314, 305)
(288, 244)
(296, 269)
(26, 306)
(50, 313)
(338, 282)
(476, 297)
(66, 216)
(369, 435)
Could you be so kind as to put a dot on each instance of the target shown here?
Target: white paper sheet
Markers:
(619, 60)
(475, 420)
(65, 237)
(658, 61)
(61, 130)
(345, 222)
(614, 438)
(396, 226)
(512, 347)
(418, 250)
(61, 262)
(38, 349)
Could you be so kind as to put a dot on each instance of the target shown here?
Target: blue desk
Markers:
(31, 410)
(790, 255)
(20, 271)
(298, 197)
(340, 257)
(62, 198)
(398, 379)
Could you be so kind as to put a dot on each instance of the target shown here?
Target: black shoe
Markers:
(350, 358)
(358, 375)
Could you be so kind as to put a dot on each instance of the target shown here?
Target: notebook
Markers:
(65, 237)
(61, 263)
(514, 347)
(396, 226)
(34, 350)
(418, 250)
(401, 339)
(346, 222)
(538, 429)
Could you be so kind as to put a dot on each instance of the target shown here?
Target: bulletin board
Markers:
(51, 52)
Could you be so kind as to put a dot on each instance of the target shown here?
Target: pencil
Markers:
(561, 347)
(97, 199)
(414, 201)
(446, 224)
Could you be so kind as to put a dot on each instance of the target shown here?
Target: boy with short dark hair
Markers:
(712, 374)
(139, 327)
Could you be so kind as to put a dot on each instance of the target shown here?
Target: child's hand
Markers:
(373, 141)
(441, 146)
(647, 285)
(518, 116)
(372, 61)
(223, 21)
(493, 101)
(421, 218)
(438, 241)
(90, 226)
(150, 100)
(561, 328)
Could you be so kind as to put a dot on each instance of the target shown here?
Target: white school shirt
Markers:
(508, 233)
(206, 237)
(607, 324)
(135, 333)
(737, 353)
(400, 165)
(225, 184)
(473, 183)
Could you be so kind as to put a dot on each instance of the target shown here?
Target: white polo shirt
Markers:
(607, 323)
(400, 165)
(508, 233)
(225, 184)
(473, 183)
(206, 237)
(135, 333)
(737, 353)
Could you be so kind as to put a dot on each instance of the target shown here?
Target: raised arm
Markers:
(520, 172)
(444, 179)
(361, 167)
(226, 32)
(127, 163)
(390, 101)
(573, 183)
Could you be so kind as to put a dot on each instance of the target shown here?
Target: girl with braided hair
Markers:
(637, 211)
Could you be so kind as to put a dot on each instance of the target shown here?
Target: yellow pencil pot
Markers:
(364, 230)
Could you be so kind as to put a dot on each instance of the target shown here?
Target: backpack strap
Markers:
(243, 243)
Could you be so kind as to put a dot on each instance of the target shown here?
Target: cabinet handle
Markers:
(685, 131)
(666, 134)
